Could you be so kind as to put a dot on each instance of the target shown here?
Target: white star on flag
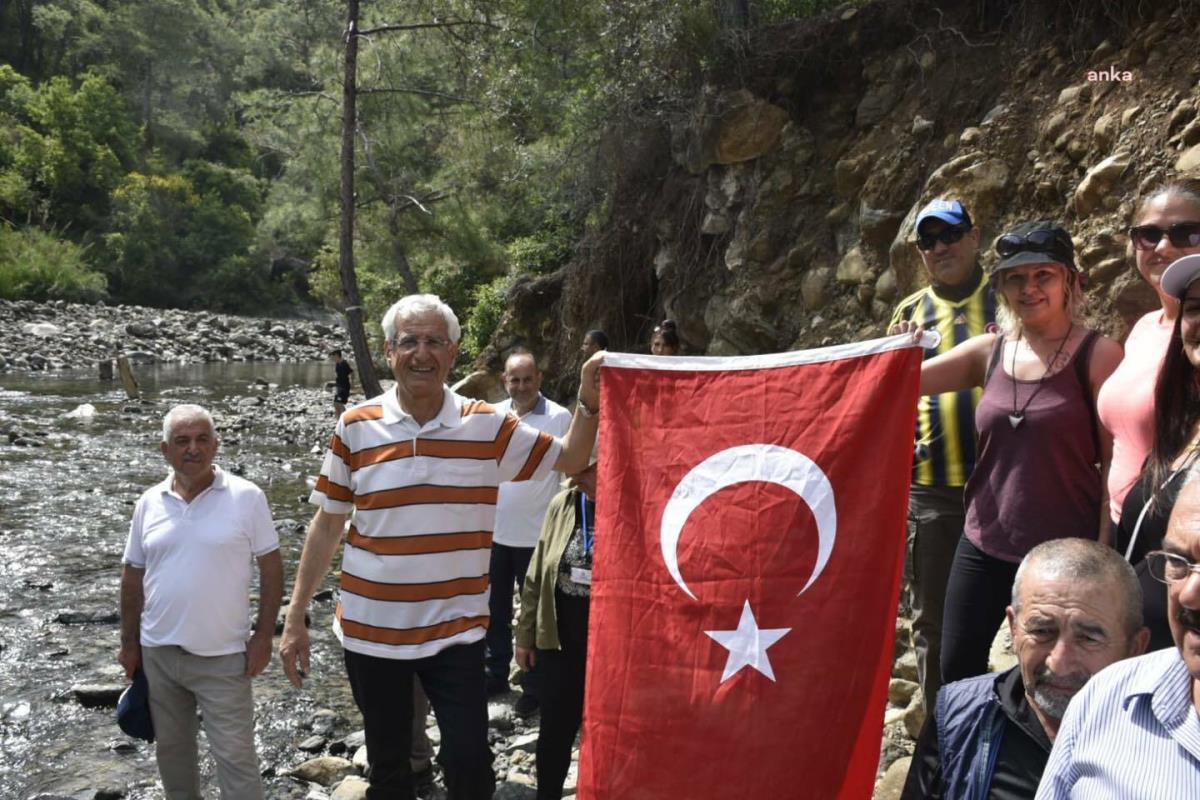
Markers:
(748, 645)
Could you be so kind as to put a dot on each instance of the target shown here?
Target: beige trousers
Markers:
(179, 683)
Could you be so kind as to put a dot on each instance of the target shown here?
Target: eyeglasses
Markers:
(409, 344)
(1169, 568)
(1181, 235)
(948, 236)
(1043, 241)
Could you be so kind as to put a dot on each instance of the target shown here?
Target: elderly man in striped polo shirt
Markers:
(1134, 731)
(419, 467)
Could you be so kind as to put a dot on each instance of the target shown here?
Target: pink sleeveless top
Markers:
(1126, 404)
(1040, 480)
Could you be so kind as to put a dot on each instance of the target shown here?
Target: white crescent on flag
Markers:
(750, 462)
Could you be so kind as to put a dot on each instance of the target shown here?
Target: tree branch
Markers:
(416, 26)
(422, 93)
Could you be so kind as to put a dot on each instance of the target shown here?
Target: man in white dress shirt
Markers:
(520, 509)
(1134, 731)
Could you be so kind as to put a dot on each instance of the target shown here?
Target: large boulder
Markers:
(733, 127)
(1098, 183)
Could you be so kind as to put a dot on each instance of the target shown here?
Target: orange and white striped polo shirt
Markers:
(415, 565)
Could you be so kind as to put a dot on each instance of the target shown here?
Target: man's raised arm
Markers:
(577, 444)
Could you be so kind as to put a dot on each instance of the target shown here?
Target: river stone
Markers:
(906, 666)
(243, 339)
(352, 788)
(325, 770)
(143, 330)
(914, 717)
(526, 742)
(360, 758)
(42, 329)
(514, 791)
(324, 720)
(892, 783)
(36, 361)
(87, 618)
(312, 744)
(900, 691)
(97, 695)
(355, 740)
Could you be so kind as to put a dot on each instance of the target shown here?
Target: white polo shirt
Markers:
(198, 561)
(521, 507)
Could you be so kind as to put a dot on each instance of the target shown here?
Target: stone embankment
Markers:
(60, 335)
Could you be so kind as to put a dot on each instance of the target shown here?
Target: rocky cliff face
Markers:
(778, 212)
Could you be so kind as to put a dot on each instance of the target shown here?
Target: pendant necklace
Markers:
(1018, 414)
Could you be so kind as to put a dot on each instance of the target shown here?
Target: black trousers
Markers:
(383, 691)
(562, 674)
(506, 571)
(979, 590)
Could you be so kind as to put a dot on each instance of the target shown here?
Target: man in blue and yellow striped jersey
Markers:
(959, 303)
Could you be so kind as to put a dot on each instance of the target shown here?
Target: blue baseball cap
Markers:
(133, 709)
(950, 212)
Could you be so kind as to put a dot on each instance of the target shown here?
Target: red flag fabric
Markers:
(750, 541)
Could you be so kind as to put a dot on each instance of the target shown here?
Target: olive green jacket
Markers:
(537, 624)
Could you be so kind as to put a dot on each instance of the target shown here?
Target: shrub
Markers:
(491, 300)
(36, 265)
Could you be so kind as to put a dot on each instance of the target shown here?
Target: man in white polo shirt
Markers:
(420, 467)
(520, 509)
(185, 608)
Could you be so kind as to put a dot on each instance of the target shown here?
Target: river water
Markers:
(64, 516)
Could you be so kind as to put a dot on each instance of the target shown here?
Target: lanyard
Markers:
(588, 540)
(1137, 526)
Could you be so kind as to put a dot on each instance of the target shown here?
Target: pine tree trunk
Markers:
(354, 312)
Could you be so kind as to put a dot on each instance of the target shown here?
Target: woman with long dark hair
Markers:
(1176, 445)
(1165, 227)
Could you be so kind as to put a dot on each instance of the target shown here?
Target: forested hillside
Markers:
(184, 153)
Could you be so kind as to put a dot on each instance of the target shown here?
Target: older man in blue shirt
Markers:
(1134, 731)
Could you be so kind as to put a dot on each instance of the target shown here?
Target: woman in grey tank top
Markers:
(1042, 459)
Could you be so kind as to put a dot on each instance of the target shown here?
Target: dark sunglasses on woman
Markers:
(1181, 235)
(948, 236)
(1040, 241)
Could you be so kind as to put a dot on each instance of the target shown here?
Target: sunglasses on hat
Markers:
(1039, 241)
(947, 236)
(1181, 235)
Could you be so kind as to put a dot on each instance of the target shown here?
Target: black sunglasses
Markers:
(1181, 235)
(1043, 241)
(948, 236)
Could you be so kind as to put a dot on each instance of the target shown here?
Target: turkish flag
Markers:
(750, 541)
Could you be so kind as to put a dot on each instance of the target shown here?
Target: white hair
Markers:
(415, 304)
(185, 413)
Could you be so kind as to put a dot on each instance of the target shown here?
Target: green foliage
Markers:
(490, 302)
(188, 145)
(67, 149)
(185, 239)
(35, 265)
